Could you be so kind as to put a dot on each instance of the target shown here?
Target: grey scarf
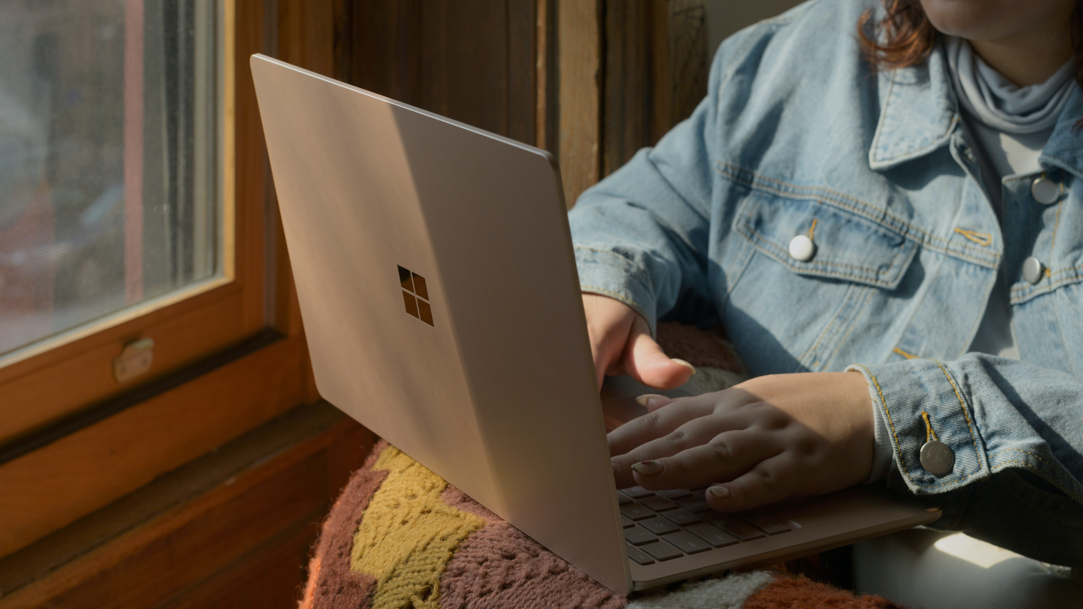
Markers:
(998, 103)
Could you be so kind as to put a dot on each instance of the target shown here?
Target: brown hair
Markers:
(909, 36)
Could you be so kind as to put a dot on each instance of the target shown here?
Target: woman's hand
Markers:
(621, 342)
(762, 441)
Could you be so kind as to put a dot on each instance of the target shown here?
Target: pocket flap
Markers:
(847, 246)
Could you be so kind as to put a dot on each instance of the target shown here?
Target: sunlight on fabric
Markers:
(974, 551)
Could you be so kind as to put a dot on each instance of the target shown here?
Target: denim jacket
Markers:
(799, 136)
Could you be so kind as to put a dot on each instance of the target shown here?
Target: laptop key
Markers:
(635, 511)
(638, 536)
(635, 492)
(626, 521)
(682, 516)
(639, 556)
(623, 499)
(712, 534)
(768, 523)
(661, 550)
(675, 493)
(687, 542)
(658, 504)
(695, 504)
(658, 525)
(734, 526)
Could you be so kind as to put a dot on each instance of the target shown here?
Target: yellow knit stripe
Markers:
(408, 534)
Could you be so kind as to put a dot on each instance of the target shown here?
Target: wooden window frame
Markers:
(226, 359)
(55, 377)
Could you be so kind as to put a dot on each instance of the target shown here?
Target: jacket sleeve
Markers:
(1015, 431)
(641, 235)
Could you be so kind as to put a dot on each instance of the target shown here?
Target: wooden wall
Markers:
(592, 81)
(474, 61)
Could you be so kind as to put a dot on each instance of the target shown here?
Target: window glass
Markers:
(109, 151)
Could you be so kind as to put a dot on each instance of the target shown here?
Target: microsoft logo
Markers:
(415, 295)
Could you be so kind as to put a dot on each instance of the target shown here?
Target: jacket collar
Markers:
(1065, 146)
(919, 113)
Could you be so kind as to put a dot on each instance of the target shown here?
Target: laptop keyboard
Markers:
(663, 525)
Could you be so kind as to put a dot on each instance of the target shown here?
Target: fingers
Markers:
(770, 481)
(645, 361)
(609, 326)
(609, 323)
(653, 401)
(655, 425)
(621, 343)
(723, 457)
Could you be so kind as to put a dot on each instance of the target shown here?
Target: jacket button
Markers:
(937, 458)
(1045, 191)
(1033, 269)
(802, 248)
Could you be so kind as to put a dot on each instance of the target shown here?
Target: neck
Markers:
(1025, 60)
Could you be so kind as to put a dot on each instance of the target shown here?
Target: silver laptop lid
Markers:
(438, 289)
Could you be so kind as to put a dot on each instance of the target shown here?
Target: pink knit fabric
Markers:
(500, 567)
(331, 582)
(706, 348)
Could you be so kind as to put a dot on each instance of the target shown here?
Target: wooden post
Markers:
(580, 119)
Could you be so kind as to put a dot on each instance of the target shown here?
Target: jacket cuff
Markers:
(610, 274)
(882, 447)
(920, 402)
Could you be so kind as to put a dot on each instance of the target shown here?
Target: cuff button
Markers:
(937, 458)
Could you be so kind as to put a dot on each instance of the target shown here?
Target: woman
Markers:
(889, 224)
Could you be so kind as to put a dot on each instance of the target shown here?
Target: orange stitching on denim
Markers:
(982, 239)
(926, 235)
(1004, 465)
(966, 415)
(837, 264)
(1056, 224)
(1060, 272)
(927, 238)
(1019, 293)
(929, 431)
(1055, 474)
(890, 422)
(812, 230)
(898, 444)
(904, 353)
(1016, 450)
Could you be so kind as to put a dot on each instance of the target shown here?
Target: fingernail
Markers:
(650, 399)
(647, 468)
(719, 491)
(686, 365)
(616, 468)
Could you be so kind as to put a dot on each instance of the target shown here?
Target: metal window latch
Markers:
(134, 360)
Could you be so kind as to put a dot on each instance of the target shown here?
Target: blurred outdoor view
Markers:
(109, 153)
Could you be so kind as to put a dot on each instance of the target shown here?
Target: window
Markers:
(139, 154)
(109, 156)
(117, 215)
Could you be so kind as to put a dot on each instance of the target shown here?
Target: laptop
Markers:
(441, 304)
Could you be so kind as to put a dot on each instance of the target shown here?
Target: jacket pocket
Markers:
(795, 310)
(845, 246)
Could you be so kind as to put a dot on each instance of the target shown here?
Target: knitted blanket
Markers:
(399, 536)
